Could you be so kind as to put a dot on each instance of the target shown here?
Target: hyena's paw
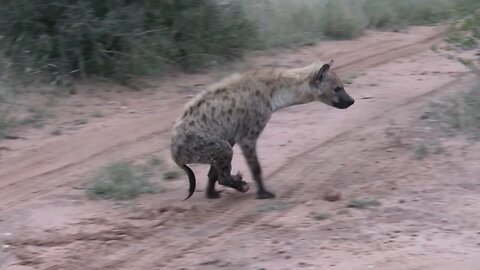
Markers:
(238, 177)
(236, 182)
(239, 185)
(244, 187)
(263, 194)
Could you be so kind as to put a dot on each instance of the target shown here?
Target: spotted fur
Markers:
(236, 110)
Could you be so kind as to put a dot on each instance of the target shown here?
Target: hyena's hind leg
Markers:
(221, 162)
(212, 179)
(249, 150)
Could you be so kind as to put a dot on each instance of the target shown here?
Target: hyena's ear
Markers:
(321, 73)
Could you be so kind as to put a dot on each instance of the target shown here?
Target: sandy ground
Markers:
(425, 212)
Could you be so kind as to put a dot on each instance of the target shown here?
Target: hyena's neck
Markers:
(286, 97)
(292, 87)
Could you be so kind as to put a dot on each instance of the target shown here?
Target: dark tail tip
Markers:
(191, 179)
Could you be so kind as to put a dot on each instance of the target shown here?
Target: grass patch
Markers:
(121, 181)
(168, 174)
(36, 118)
(97, 114)
(7, 96)
(171, 175)
(421, 151)
(458, 114)
(320, 216)
(363, 203)
(273, 206)
(56, 132)
(392, 132)
(155, 161)
(79, 122)
(7, 124)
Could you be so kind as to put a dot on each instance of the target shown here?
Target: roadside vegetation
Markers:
(457, 114)
(121, 181)
(125, 180)
(60, 41)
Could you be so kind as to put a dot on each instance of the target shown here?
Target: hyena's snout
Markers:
(342, 99)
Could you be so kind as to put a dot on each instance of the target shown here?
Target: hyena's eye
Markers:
(337, 89)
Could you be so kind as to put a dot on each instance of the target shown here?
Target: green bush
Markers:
(67, 39)
(385, 14)
(343, 19)
(465, 32)
(285, 23)
(121, 181)
(429, 11)
(7, 122)
(114, 38)
(392, 14)
(458, 114)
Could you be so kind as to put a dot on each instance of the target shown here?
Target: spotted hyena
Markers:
(236, 110)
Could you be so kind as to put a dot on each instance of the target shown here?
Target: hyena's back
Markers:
(226, 112)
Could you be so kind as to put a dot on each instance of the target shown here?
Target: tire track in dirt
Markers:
(34, 174)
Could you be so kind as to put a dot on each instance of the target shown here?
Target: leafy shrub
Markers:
(7, 122)
(343, 19)
(465, 32)
(384, 14)
(285, 23)
(120, 37)
(121, 181)
(458, 114)
(66, 39)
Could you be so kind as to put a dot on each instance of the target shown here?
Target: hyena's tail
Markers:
(191, 179)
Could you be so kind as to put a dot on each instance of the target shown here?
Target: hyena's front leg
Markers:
(249, 151)
(222, 162)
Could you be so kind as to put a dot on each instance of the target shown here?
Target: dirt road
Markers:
(305, 151)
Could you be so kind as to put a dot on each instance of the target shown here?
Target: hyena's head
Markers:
(329, 89)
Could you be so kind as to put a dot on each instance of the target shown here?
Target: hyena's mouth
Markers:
(342, 104)
(341, 99)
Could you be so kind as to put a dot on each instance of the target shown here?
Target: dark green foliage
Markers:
(343, 19)
(64, 39)
(7, 123)
(121, 181)
(458, 114)
(363, 203)
(112, 38)
(392, 14)
(465, 32)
